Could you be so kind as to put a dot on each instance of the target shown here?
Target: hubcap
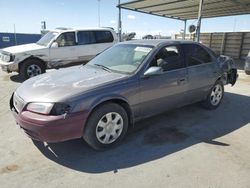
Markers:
(216, 95)
(33, 70)
(109, 128)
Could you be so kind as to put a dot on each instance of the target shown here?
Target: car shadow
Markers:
(17, 78)
(155, 137)
(12, 76)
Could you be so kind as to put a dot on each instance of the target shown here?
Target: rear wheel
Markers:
(247, 72)
(31, 68)
(106, 126)
(215, 96)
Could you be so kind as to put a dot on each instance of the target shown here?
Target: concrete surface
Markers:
(188, 147)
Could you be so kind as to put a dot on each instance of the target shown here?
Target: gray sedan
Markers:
(128, 82)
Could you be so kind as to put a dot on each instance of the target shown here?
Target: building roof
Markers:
(188, 9)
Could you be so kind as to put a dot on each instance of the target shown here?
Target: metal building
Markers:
(11, 39)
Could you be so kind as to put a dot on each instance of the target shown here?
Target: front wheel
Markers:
(215, 96)
(106, 126)
(31, 68)
(247, 72)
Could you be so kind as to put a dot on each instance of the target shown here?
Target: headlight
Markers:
(7, 57)
(41, 108)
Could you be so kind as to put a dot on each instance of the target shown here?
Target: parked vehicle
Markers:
(247, 64)
(61, 47)
(130, 81)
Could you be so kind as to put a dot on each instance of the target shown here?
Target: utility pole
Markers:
(184, 30)
(99, 18)
(119, 27)
(198, 29)
(15, 34)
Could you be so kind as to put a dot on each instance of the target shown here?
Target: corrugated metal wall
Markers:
(10, 39)
(233, 44)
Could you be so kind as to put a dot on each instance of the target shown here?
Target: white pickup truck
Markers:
(60, 47)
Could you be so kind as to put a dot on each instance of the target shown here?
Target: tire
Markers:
(31, 68)
(98, 133)
(215, 96)
(247, 72)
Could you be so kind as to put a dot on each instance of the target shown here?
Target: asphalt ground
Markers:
(187, 147)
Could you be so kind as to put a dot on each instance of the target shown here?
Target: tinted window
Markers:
(86, 37)
(212, 52)
(168, 58)
(103, 36)
(66, 39)
(196, 55)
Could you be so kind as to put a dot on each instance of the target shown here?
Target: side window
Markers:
(66, 39)
(169, 58)
(86, 37)
(103, 36)
(196, 55)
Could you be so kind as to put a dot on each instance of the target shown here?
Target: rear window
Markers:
(86, 37)
(196, 55)
(103, 36)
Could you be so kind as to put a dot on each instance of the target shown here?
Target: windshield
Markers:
(46, 39)
(123, 58)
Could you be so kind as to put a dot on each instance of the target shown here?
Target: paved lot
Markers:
(188, 147)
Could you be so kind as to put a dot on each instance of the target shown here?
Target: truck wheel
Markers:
(31, 68)
(106, 126)
(247, 72)
(215, 96)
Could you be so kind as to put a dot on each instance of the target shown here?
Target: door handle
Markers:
(182, 81)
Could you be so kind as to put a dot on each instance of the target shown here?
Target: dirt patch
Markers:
(9, 168)
(164, 135)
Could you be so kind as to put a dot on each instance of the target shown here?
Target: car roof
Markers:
(61, 30)
(157, 42)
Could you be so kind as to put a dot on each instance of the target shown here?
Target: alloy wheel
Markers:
(216, 95)
(33, 70)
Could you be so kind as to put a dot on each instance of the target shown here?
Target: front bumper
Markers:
(48, 128)
(9, 66)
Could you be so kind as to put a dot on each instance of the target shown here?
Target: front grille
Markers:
(18, 103)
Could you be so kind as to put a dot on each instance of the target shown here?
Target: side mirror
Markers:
(153, 71)
(54, 45)
(221, 58)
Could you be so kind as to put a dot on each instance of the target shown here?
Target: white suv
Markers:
(60, 47)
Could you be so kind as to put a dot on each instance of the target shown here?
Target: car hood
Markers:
(23, 48)
(63, 84)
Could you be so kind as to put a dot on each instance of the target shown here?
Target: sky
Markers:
(27, 15)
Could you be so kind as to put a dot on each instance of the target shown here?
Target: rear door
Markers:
(86, 48)
(201, 69)
(167, 90)
(91, 43)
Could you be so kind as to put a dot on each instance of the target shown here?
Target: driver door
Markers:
(167, 90)
(65, 53)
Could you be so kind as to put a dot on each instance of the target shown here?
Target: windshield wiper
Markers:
(103, 67)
